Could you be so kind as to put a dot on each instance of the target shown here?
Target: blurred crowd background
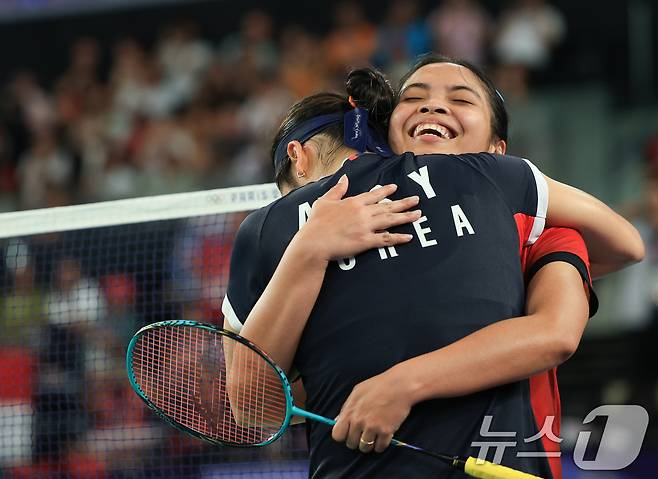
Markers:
(153, 97)
(122, 103)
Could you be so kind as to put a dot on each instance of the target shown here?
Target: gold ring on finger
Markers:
(366, 443)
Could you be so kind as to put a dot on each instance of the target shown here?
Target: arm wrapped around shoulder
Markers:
(612, 241)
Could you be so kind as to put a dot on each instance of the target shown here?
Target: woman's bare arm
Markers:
(503, 352)
(611, 240)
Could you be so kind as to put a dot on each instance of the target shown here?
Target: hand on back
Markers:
(339, 228)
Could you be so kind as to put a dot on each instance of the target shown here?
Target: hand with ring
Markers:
(372, 413)
(366, 446)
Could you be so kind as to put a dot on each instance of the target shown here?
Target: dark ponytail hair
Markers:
(368, 89)
(499, 116)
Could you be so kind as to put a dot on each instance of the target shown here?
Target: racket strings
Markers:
(211, 384)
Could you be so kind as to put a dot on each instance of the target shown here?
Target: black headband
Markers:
(356, 134)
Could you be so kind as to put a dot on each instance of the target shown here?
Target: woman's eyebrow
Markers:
(424, 86)
(453, 88)
(456, 88)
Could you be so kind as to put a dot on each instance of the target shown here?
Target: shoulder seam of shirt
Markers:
(495, 185)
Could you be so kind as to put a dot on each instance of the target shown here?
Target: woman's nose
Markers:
(433, 108)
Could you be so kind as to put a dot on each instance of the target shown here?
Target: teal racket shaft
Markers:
(220, 387)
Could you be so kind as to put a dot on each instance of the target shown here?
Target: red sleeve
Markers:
(560, 244)
(554, 244)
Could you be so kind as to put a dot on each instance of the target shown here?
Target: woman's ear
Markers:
(499, 147)
(299, 158)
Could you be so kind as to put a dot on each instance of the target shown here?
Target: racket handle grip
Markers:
(489, 470)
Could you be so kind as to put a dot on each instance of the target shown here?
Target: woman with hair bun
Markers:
(428, 330)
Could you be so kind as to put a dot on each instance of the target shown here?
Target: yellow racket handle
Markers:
(489, 470)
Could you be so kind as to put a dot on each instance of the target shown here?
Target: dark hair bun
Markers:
(371, 91)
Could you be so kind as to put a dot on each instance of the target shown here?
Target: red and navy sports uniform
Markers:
(459, 274)
(565, 245)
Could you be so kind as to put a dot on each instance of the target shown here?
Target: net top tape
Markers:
(137, 210)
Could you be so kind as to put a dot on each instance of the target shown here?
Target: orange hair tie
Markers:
(351, 101)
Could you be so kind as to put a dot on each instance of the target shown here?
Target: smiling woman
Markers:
(452, 98)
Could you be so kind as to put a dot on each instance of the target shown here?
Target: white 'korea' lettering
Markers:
(347, 264)
(391, 251)
(422, 177)
(304, 212)
(422, 232)
(461, 221)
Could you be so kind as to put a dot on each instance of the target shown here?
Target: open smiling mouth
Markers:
(433, 129)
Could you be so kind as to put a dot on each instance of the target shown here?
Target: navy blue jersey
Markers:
(460, 273)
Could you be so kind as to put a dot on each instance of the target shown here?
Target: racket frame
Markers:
(291, 409)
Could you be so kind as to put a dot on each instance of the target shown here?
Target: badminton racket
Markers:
(219, 387)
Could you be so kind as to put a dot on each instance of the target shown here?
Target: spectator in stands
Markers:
(630, 308)
(401, 38)
(89, 137)
(14, 140)
(256, 118)
(351, 41)
(217, 87)
(78, 81)
(120, 321)
(83, 70)
(461, 29)
(635, 302)
(169, 157)
(527, 33)
(75, 302)
(184, 56)
(34, 106)
(127, 77)
(118, 178)
(46, 171)
(252, 50)
(8, 178)
(301, 72)
(532, 127)
(201, 264)
(22, 309)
